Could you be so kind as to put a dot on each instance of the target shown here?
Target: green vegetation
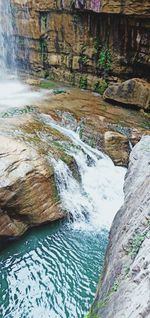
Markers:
(17, 112)
(138, 240)
(83, 57)
(105, 59)
(102, 56)
(103, 302)
(90, 316)
(47, 85)
(100, 87)
(76, 19)
(43, 50)
(83, 83)
(43, 22)
(46, 74)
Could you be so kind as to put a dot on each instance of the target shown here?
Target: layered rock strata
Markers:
(82, 41)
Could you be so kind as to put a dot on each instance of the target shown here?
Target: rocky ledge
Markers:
(28, 194)
(123, 291)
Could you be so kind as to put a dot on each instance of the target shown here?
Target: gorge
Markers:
(66, 142)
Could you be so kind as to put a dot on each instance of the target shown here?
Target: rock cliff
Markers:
(124, 289)
(81, 41)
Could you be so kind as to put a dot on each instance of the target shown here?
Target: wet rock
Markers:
(130, 228)
(28, 194)
(116, 146)
(134, 92)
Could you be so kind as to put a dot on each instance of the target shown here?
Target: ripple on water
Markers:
(52, 272)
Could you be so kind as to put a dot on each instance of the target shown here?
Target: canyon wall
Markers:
(124, 289)
(80, 41)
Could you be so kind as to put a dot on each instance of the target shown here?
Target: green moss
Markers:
(100, 87)
(91, 316)
(16, 112)
(47, 85)
(102, 303)
(83, 83)
(137, 242)
(55, 194)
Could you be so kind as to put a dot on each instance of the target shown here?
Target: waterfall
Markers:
(93, 200)
(7, 52)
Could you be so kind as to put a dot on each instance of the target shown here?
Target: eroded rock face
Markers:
(134, 7)
(124, 288)
(28, 194)
(134, 92)
(50, 37)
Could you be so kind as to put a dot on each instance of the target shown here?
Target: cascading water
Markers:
(99, 194)
(53, 272)
(13, 92)
(7, 52)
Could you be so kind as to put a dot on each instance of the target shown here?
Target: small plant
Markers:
(137, 242)
(97, 49)
(43, 46)
(83, 57)
(83, 83)
(100, 87)
(105, 59)
(43, 21)
(46, 74)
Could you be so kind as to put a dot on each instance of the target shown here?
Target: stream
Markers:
(53, 271)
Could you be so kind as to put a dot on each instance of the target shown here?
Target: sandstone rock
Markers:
(134, 92)
(27, 190)
(134, 7)
(33, 81)
(116, 146)
(53, 33)
(124, 288)
(28, 194)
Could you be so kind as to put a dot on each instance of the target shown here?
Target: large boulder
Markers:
(28, 194)
(124, 288)
(135, 92)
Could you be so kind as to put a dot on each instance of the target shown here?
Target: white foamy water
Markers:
(14, 93)
(7, 45)
(94, 200)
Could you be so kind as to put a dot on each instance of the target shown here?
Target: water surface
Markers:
(51, 272)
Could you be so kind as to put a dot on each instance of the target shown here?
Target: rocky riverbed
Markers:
(28, 194)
